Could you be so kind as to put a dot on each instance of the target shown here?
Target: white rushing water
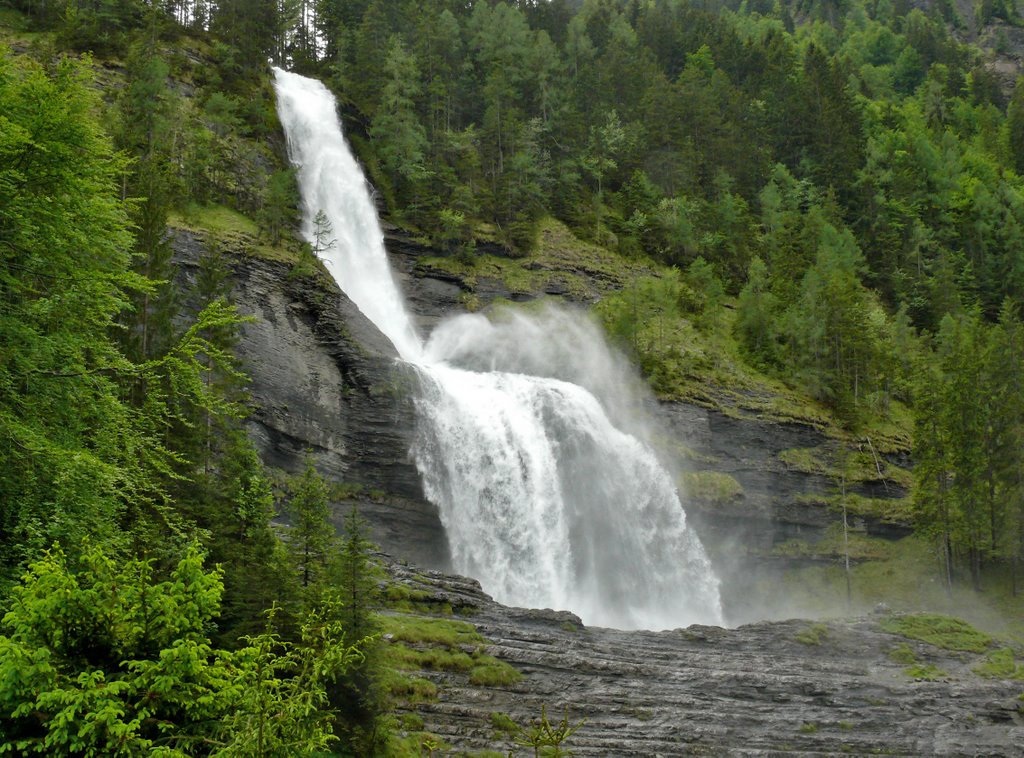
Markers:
(531, 438)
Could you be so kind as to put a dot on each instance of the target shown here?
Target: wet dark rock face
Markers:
(754, 690)
(324, 379)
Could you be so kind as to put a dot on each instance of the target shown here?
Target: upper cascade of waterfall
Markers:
(331, 181)
(531, 436)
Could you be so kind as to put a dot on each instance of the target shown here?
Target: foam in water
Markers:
(531, 439)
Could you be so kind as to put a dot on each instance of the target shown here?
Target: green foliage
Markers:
(88, 449)
(1000, 664)
(547, 738)
(926, 671)
(756, 314)
(279, 213)
(68, 435)
(494, 673)
(411, 689)
(814, 634)
(502, 723)
(967, 420)
(111, 660)
(359, 696)
(944, 632)
(311, 536)
(433, 644)
(711, 486)
(902, 653)
(806, 459)
(417, 629)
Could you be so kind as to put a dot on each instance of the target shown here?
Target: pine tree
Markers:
(359, 696)
(1015, 125)
(399, 137)
(147, 133)
(755, 316)
(311, 538)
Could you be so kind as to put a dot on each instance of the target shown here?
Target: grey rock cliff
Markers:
(324, 379)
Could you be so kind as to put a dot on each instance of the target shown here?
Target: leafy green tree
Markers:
(284, 704)
(934, 510)
(367, 77)
(440, 50)
(85, 451)
(1003, 471)
(107, 661)
(74, 452)
(500, 39)
(952, 411)
(708, 292)
(829, 126)
(254, 30)
(103, 26)
(545, 737)
(323, 230)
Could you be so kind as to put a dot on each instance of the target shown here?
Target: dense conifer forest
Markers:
(821, 196)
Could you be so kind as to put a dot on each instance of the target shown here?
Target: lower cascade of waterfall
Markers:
(531, 438)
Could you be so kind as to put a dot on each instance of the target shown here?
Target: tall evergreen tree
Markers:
(311, 537)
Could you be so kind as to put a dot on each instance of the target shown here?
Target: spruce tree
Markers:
(311, 537)
(359, 696)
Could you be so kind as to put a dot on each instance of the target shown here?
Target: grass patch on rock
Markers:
(405, 599)
(417, 745)
(814, 634)
(444, 632)
(944, 632)
(1000, 664)
(418, 643)
(713, 487)
(490, 672)
(926, 672)
(239, 234)
(411, 689)
(503, 723)
(903, 653)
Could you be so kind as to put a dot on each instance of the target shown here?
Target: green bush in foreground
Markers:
(109, 661)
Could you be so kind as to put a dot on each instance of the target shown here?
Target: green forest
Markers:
(820, 199)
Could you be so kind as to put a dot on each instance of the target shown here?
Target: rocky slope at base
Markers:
(761, 689)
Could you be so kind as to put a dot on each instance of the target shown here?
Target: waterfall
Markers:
(530, 439)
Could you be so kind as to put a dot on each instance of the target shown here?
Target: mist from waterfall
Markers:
(531, 438)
